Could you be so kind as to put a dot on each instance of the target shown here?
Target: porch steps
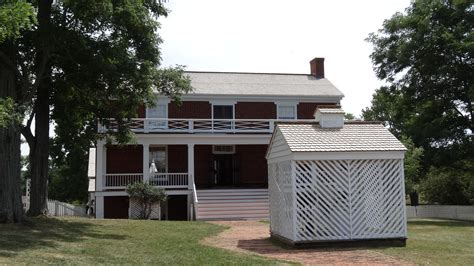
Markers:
(232, 204)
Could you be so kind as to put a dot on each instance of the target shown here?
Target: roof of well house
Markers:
(353, 136)
(261, 84)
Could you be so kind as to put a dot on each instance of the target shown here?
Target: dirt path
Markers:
(253, 237)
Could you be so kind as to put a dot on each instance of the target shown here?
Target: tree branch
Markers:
(30, 139)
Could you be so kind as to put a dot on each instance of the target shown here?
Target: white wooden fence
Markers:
(58, 208)
(441, 211)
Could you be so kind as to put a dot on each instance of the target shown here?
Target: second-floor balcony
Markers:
(178, 125)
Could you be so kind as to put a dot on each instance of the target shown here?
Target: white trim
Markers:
(157, 104)
(166, 154)
(287, 104)
(203, 139)
(223, 103)
(261, 98)
(124, 193)
(214, 151)
(348, 155)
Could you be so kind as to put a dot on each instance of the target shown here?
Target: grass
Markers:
(85, 241)
(437, 242)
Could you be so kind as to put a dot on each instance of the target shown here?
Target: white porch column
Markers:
(101, 167)
(99, 207)
(190, 165)
(146, 162)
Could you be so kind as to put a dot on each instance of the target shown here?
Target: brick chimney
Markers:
(317, 67)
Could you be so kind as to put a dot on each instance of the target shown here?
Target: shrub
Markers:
(147, 196)
(448, 185)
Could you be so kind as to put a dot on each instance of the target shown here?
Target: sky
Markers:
(280, 37)
(275, 36)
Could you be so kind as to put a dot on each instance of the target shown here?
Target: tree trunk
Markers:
(11, 208)
(39, 146)
(39, 154)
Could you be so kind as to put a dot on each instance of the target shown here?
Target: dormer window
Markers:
(286, 111)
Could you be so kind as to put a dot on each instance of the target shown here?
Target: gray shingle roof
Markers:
(265, 84)
(303, 137)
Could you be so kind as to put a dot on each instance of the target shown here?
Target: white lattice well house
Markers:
(331, 180)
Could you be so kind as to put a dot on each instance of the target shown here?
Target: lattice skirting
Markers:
(337, 199)
(135, 209)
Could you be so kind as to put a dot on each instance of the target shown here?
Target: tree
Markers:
(412, 167)
(450, 185)
(426, 57)
(86, 61)
(147, 196)
(16, 18)
(349, 116)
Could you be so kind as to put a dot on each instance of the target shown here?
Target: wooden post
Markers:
(146, 163)
(190, 166)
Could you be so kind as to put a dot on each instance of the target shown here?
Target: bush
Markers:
(146, 195)
(448, 185)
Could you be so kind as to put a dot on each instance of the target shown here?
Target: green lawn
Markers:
(438, 242)
(84, 241)
(88, 241)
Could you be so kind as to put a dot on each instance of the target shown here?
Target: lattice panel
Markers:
(349, 199)
(281, 198)
(135, 209)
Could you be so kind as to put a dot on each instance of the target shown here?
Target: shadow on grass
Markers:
(47, 232)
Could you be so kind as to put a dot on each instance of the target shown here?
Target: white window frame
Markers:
(287, 104)
(166, 155)
(223, 103)
(163, 125)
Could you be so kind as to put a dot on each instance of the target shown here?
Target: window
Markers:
(223, 111)
(223, 149)
(222, 115)
(158, 115)
(286, 111)
(158, 157)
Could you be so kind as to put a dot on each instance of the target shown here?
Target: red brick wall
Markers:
(177, 158)
(306, 110)
(202, 164)
(255, 110)
(189, 109)
(125, 159)
(252, 164)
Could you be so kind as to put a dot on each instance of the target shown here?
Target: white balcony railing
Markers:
(164, 180)
(146, 125)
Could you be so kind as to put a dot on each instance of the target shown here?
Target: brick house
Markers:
(209, 152)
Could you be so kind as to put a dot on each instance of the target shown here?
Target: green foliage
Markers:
(349, 116)
(93, 60)
(8, 112)
(412, 165)
(450, 185)
(15, 17)
(146, 195)
(426, 55)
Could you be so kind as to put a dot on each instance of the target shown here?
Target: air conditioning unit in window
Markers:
(223, 149)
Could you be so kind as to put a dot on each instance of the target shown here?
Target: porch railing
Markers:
(169, 180)
(172, 125)
(164, 180)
